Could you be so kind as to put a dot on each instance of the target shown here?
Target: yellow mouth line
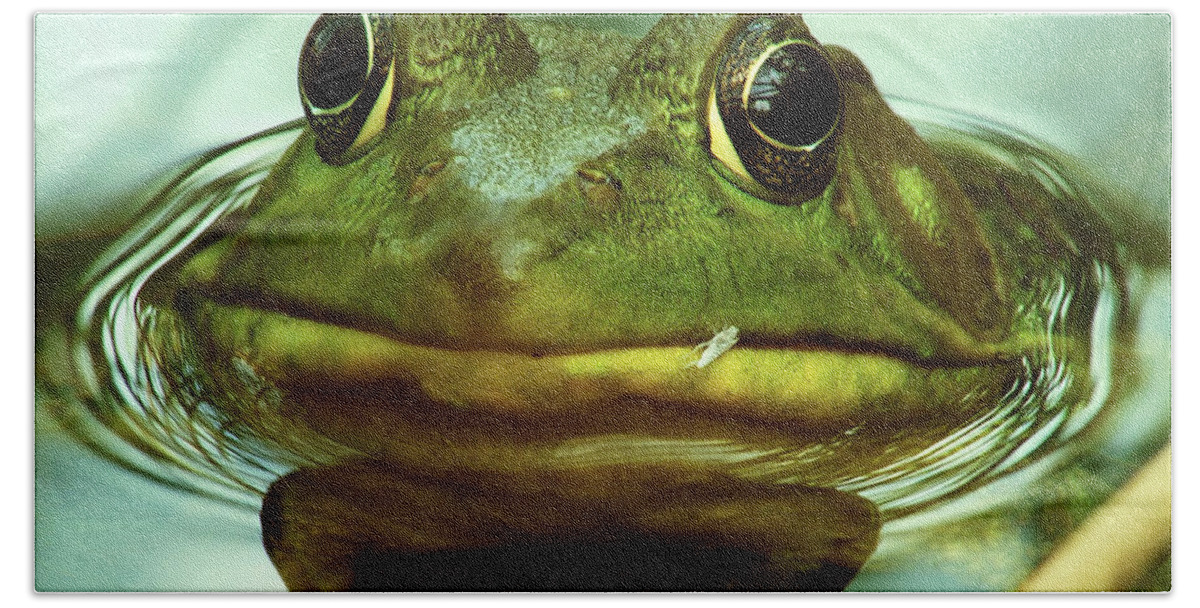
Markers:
(820, 389)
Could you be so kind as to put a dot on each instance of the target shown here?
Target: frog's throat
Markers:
(819, 389)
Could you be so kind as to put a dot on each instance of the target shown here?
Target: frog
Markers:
(566, 308)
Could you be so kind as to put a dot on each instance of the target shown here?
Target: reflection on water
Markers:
(130, 395)
(135, 374)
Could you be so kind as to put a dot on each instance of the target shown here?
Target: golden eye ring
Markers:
(347, 79)
(775, 110)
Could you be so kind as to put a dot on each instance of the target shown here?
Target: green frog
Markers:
(580, 310)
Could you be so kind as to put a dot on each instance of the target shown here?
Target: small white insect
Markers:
(715, 347)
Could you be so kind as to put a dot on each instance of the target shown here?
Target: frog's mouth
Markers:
(505, 443)
(750, 392)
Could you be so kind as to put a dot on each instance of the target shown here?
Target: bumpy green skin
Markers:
(507, 281)
(545, 228)
(890, 258)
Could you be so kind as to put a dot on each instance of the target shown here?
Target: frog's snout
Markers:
(479, 241)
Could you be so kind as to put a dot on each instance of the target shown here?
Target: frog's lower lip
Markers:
(817, 389)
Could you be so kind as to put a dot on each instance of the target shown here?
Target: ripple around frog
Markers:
(146, 390)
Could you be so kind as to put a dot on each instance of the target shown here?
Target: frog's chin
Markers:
(344, 373)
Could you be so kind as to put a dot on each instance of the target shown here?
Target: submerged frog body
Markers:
(483, 271)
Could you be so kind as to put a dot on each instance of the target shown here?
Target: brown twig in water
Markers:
(1120, 542)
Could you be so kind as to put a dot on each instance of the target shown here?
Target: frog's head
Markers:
(500, 240)
(464, 190)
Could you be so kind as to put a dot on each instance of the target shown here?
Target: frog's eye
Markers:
(775, 111)
(347, 75)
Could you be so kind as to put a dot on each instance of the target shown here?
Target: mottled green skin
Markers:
(497, 296)
(891, 258)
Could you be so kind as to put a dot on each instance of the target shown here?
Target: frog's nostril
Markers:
(433, 168)
(425, 177)
(601, 190)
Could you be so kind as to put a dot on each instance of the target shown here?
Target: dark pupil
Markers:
(335, 62)
(794, 96)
